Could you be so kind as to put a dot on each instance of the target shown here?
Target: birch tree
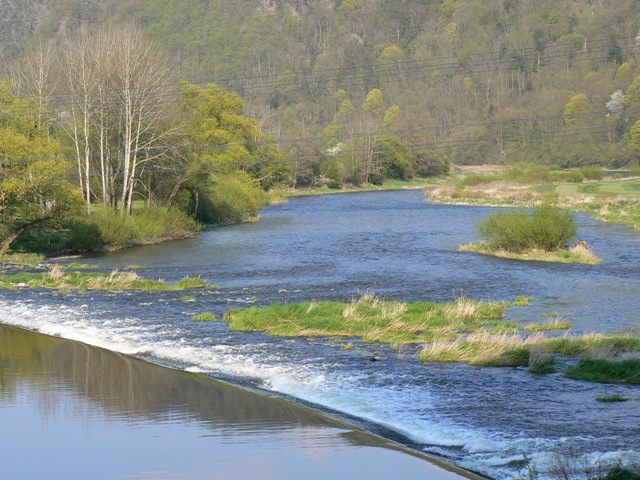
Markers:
(116, 109)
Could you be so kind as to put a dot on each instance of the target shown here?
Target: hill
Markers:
(398, 88)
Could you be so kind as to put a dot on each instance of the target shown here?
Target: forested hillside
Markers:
(357, 90)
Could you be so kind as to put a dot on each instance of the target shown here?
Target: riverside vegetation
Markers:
(543, 235)
(531, 185)
(62, 279)
(462, 331)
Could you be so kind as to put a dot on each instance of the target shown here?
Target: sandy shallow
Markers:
(68, 410)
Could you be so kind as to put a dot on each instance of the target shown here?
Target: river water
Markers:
(400, 247)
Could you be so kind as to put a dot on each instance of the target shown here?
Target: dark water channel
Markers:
(400, 247)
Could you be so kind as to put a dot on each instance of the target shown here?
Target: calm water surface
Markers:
(71, 411)
(400, 247)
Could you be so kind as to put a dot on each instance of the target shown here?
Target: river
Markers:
(400, 247)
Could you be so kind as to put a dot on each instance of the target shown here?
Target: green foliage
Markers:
(109, 229)
(577, 104)
(603, 371)
(592, 172)
(230, 198)
(35, 194)
(545, 229)
(203, 317)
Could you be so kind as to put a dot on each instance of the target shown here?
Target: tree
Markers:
(221, 141)
(35, 194)
(577, 104)
(115, 114)
(634, 141)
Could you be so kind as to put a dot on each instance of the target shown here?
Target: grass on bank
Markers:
(615, 201)
(389, 184)
(24, 259)
(372, 319)
(59, 278)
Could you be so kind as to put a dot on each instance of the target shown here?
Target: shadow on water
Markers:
(107, 415)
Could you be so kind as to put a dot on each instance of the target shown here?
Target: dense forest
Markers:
(329, 92)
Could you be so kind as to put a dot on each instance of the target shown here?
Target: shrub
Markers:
(545, 229)
(592, 172)
(231, 198)
(527, 173)
(568, 176)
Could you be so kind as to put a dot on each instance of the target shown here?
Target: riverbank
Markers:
(612, 200)
(79, 408)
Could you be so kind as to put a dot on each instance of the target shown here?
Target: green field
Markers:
(629, 187)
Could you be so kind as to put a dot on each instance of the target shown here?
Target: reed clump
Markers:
(484, 349)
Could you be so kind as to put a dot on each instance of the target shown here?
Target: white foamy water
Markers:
(385, 398)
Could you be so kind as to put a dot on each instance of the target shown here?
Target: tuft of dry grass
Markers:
(556, 324)
(582, 250)
(484, 349)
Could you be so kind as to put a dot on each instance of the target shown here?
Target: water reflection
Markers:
(68, 410)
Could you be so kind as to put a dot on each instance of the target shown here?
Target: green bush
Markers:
(476, 179)
(146, 225)
(231, 198)
(545, 229)
(568, 176)
(592, 172)
(527, 173)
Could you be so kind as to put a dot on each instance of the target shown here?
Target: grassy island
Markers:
(544, 235)
(59, 278)
(578, 253)
(464, 331)
(374, 320)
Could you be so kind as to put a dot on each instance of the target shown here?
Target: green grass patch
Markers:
(188, 283)
(24, 259)
(59, 278)
(78, 266)
(612, 399)
(188, 298)
(371, 319)
(557, 324)
(612, 344)
(204, 317)
(605, 371)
